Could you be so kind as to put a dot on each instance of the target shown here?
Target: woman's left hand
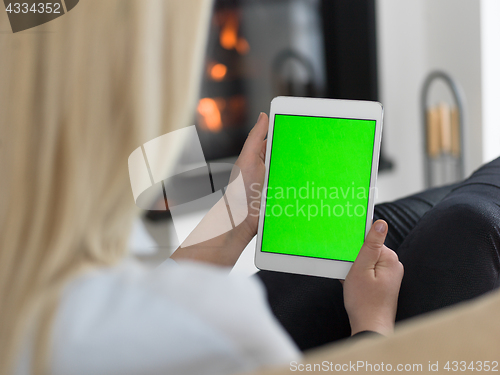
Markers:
(225, 249)
(251, 162)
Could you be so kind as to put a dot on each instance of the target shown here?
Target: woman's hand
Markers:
(225, 249)
(251, 162)
(371, 287)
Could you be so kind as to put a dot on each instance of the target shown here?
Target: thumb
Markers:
(370, 251)
(253, 144)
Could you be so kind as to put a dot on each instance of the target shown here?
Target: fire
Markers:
(218, 72)
(210, 114)
(229, 34)
(242, 47)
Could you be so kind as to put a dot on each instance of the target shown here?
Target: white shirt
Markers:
(182, 318)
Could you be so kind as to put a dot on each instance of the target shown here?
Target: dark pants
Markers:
(448, 240)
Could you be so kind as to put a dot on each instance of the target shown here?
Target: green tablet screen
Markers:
(318, 186)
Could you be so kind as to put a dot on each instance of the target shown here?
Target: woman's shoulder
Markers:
(130, 319)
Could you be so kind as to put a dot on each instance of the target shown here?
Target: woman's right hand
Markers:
(371, 287)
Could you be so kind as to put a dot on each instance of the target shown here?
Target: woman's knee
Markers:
(476, 215)
(465, 237)
(462, 231)
(451, 256)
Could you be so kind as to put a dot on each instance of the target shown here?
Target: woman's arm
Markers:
(224, 250)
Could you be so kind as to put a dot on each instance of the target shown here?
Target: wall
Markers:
(416, 37)
(401, 54)
(490, 69)
(453, 42)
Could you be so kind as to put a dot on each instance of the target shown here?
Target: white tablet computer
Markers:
(319, 189)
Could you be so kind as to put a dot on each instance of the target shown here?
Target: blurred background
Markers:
(433, 64)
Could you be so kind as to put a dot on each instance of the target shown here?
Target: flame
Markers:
(221, 103)
(242, 47)
(229, 33)
(228, 36)
(210, 114)
(218, 72)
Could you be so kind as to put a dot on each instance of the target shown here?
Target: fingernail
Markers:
(380, 226)
(260, 116)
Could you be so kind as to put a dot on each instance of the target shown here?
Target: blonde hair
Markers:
(71, 111)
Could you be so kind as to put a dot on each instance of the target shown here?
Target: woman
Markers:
(78, 95)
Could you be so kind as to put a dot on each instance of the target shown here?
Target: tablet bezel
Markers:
(333, 108)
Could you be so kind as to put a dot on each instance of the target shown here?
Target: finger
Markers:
(370, 251)
(254, 141)
(388, 258)
(263, 150)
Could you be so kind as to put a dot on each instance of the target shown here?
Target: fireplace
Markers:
(259, 49)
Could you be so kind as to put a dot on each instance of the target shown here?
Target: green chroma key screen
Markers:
(319, 181)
